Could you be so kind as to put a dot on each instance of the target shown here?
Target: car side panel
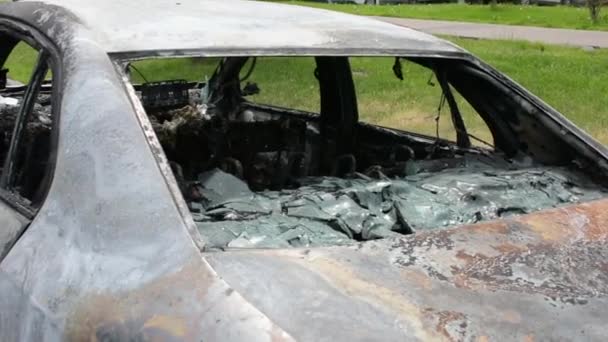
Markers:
(109, 255)
(12, 224)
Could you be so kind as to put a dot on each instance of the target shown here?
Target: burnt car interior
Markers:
(261, 176)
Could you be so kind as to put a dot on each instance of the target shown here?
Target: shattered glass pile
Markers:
(327, 211)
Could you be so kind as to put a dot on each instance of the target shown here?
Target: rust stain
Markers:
(509, 248)
(460, 280)
(491, 227)
(145, 312)
(559, 254)
(172, 325)
(529, 338)
(598, 221)
(451, 324)
(462, 255)
(553, 227)
(417, 277)
(511, 316)
(586, 221)
(555, 271)
(345, 280)
(483, 339)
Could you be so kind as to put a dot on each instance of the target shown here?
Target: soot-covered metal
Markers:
(112, 252)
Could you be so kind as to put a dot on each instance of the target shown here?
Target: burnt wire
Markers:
(131, 66)
(438, 117)
(479, 140)
(430, 81)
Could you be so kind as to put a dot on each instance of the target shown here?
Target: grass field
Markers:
(543, 16)
(572, 80)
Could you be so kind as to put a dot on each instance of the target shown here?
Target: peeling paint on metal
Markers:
(517, 278)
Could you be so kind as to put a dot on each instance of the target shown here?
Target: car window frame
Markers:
(48, 52)
(32, 90)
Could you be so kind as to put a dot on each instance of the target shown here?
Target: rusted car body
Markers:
(112, 252)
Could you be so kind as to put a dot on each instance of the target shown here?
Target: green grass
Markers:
(543, 16)
(21, 63)
(572, 80)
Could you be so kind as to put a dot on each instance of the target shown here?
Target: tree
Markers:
(594, 9)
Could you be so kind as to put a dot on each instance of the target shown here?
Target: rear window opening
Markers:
(278, 152)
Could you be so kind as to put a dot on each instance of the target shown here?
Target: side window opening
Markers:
(262, 81)
(415, 103)
(411, 104)
(25, 125)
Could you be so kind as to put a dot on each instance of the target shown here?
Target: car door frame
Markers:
(10, 202)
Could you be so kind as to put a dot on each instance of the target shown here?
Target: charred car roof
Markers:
(227, 25)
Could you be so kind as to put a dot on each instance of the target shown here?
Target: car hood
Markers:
(538, 276)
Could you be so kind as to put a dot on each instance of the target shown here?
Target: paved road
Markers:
(580, 38)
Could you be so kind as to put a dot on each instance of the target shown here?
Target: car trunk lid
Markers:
(542, 274)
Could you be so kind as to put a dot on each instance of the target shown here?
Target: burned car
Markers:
(211, 207)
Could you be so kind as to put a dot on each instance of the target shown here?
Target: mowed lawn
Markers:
(508, 14)
(572, 80)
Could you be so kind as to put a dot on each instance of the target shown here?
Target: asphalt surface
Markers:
(581, 38)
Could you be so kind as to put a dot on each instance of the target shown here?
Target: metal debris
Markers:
(8, 102)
